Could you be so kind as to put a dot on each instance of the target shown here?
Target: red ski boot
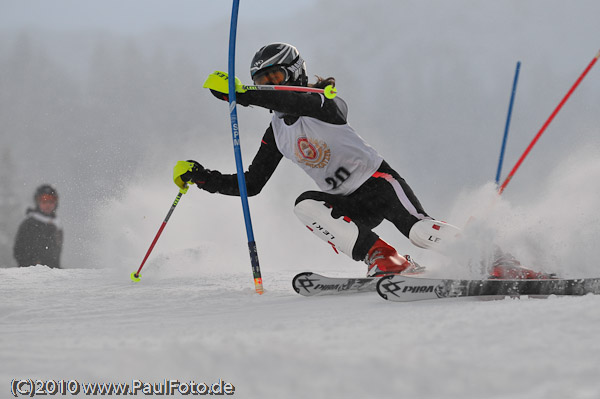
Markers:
(383, 260)
(507, 267)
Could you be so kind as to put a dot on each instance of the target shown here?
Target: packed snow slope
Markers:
(98, 326)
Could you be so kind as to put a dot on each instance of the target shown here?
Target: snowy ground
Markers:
(98, 326)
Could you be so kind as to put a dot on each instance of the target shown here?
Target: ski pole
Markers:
(506, 127)
(258, 286)
(329, 91)
(135, 276)
(217, 78)
(536, 138)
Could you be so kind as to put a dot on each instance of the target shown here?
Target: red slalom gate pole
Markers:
(537, 136)
(135, 276)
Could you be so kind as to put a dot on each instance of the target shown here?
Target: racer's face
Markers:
(271, 76)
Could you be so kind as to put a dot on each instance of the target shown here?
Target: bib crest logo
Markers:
(313, 153)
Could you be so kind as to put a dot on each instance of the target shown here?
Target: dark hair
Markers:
(321, 83)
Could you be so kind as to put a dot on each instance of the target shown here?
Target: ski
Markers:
(400, 288)
(312, 284)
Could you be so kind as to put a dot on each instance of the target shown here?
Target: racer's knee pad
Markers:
(433, 234)
(340, 233)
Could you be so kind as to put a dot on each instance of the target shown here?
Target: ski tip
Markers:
(380, 286)
(330, 92)
(135, 277)
(295, 279)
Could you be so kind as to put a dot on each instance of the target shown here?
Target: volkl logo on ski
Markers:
(398, 288)
(333, 287)
(309, 284)
(418, 289)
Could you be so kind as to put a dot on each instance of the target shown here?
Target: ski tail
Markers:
(405, 289)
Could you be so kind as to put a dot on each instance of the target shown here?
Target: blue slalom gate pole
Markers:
(238, 153)
(506, 127)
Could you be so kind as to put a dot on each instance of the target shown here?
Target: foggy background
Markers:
(101, 101)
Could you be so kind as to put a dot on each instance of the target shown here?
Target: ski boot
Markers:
(414, 267)
(383, 260)
(507, 267)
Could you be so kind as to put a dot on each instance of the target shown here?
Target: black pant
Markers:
(385, 195)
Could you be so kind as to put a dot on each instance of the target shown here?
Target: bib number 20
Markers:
(340, 176)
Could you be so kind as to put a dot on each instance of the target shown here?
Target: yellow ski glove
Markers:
(182, 174)
(219, 82)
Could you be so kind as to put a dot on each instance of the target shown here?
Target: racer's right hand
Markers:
(186, 172)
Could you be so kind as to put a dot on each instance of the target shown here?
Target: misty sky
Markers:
(133, 16)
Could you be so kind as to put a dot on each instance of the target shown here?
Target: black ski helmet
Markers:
(284, 55)
(45, 189)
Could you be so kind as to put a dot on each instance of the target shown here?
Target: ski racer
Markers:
(358, 189)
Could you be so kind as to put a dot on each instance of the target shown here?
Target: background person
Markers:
(39, 239)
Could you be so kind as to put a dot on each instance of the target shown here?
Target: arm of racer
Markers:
(290, 103)
(259, 172)
(314, 105)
